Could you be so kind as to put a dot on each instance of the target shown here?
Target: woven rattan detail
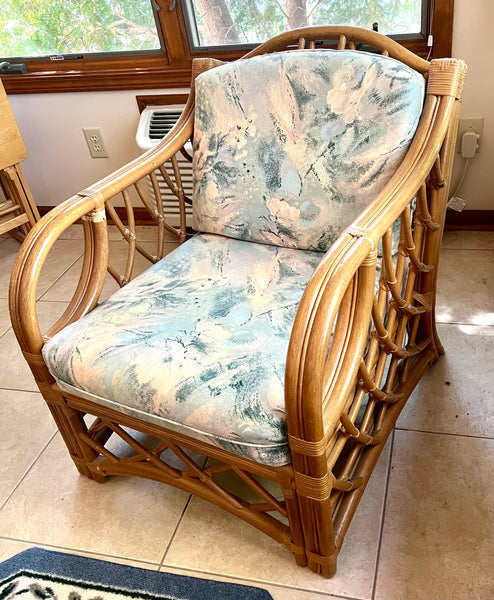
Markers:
(96, 216)
(320, 560)
(306, 447)
(286, 479)
(34, 359)
(361, 232)
(446, 77)
(317, 488)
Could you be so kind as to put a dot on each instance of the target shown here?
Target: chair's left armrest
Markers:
(90, 206)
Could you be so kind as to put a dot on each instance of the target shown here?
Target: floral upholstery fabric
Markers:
(197, 343)
(290, 147)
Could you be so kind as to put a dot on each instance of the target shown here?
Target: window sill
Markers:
(98, 80)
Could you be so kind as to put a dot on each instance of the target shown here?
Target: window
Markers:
(216, 23)
(55, 29)
(86, 45)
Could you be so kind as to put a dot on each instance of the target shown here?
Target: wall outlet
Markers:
(95, 143)
(476, 125)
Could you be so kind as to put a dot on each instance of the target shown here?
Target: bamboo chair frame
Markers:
(350, 347)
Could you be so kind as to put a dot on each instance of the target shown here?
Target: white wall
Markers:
(59, 163)
(472, 42)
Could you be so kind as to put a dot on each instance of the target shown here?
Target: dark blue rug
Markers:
(42, 574)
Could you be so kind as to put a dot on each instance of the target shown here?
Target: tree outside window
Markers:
(225, 22)
(35, 28)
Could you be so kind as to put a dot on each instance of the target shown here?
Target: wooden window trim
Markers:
(173, 69)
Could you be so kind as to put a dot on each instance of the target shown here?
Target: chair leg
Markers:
(71, 425)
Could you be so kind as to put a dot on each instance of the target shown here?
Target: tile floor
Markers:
(424, 529)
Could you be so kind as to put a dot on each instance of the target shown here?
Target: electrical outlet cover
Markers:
(474, 124)
(95, 143)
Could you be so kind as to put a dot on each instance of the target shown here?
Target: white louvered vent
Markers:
(154, 124)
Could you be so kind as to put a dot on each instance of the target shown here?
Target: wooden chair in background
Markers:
(18, 212)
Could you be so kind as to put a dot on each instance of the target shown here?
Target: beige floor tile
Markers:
(8, 252)
(49, 312)
(466, 287)
(468, 240)
(65, 287)
(128, 518)
(213, 541)
(9, 548)
(74, 232)
(457, 394)
(437, 538)
(62, 256)
(18, 375)
(144, 233)
(26, 427)
(4, 315)
(277, 592)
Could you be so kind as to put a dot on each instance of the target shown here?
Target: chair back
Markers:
(290, 147)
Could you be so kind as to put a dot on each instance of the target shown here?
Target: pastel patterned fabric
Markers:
(197, 343)
(290, 147)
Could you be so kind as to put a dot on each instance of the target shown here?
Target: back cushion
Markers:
(290, 147)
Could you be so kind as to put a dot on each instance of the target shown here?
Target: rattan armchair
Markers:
(349, 336)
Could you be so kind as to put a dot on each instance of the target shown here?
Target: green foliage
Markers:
(50, 27)
(258, 20)
(393, 16)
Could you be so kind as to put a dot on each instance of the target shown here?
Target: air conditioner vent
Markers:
(160, 123)
(154, 124)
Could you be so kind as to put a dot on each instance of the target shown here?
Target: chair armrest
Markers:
(89, 205)
(365, 329)
(346, 265)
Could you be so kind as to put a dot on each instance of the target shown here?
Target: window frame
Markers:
(172, 69)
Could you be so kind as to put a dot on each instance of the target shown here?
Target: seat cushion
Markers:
(196, 344)
(290, 147)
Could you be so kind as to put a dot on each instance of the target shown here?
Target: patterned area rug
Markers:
(42, 574)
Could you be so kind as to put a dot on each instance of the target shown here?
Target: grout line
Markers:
(261, 582)
(16, 487)
(175, 530)
(59, 277)
(203, 464)
(23, 391)
(87, 553)
(464, 324)
(443, 249)
(5, 389)
(383, 517)
(446, 433)
(5, 332)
